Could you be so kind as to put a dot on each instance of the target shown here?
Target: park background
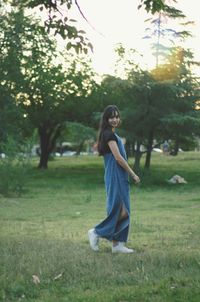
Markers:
(59, 69)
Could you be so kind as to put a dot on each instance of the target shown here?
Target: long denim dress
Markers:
(118, 196)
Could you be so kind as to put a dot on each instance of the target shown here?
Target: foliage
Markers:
(78, 134)
(154, 6)
(164, 38)
(56, 22)
(11, 78)
(49, 93)
(14, 167)
(183, 122)
(157, 105)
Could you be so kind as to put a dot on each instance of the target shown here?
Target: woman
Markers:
(116, 225)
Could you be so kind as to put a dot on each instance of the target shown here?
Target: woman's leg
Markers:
(122, 215)
(119, 245)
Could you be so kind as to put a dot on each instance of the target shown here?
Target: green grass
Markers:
(44, 233)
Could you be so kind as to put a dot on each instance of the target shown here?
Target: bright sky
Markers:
(118, 21)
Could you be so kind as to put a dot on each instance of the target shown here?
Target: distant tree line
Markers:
(46, 91)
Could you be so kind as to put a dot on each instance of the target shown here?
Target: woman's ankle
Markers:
(115, 243)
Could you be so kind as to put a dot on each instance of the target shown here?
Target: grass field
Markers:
(44, 233)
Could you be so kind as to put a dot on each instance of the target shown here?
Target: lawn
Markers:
(44, 233)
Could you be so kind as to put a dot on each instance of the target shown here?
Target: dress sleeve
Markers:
(109, 136)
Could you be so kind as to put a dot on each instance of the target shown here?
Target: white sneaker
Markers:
(120, 248)
(93, 239)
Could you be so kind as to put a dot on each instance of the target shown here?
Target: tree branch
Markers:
(82, 14)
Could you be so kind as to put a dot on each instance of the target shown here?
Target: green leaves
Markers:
(59, 24)
(152, 6)
(47, 92)
(77, 132)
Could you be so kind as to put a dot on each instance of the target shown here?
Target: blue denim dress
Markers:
(117, 196)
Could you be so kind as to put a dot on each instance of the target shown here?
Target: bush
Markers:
(14, 168)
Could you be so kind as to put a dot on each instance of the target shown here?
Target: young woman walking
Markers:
(115, 226)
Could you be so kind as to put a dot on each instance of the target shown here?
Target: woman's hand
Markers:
(135, 178)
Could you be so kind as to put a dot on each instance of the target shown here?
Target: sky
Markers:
(115, 21)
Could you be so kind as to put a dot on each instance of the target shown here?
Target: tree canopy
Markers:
(47, 92)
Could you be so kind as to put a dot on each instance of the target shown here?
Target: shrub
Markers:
(13, 168)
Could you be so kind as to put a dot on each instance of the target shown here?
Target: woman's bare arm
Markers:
(121, 161)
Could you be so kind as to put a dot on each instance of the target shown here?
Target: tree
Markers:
(60, 23)
(182, 124)
(11, 78)
(164, 37)
(153, 6)
(56, 22)
(49, 93)
(149, 103)
(54, 96)
(79, 134)
(152, 98)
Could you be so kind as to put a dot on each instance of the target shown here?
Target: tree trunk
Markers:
(44, 157)
(149, 150)
(176, 147)
(130, 146)
(127, 147)
(48, 137)
(80, 147)
(44, 146)
(138, 155)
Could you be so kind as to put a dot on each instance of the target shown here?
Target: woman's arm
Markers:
(121, 161)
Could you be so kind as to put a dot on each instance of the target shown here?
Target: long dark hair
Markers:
(109, 111)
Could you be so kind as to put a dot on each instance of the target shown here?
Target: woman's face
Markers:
(114, 120)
